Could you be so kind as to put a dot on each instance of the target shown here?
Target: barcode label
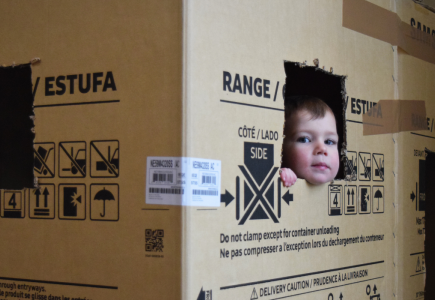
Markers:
(162, 177)
(166, 191)
(206, 179)
(205, 192)
(186, 181)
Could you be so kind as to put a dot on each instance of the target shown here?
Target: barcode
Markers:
(205, 192)
(159, 177)
(166, 191)
(209, 179)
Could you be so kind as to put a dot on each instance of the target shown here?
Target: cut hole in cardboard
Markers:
(16, 128)
(316, 82)
(429, 224)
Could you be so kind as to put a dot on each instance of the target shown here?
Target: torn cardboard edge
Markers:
(33, 61)
(16, 128)
(382, 24)
(302, 79)
(393, 116)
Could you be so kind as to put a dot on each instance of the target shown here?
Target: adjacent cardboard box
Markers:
(160, 87)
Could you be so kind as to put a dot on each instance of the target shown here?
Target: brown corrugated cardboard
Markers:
(411, 181)
(140, 45)
(154, 97)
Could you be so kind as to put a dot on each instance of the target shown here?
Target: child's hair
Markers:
(315, 106)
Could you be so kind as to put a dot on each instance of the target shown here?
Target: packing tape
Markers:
(391, 116)
(372, 20)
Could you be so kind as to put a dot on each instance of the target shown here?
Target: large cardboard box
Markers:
(158, 137)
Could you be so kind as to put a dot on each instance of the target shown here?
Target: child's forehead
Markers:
(303, 115)
(304, 118)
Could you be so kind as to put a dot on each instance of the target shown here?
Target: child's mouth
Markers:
(320, 166)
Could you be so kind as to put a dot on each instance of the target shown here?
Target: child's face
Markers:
(310, 147)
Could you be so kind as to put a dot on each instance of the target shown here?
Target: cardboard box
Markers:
(181, 103)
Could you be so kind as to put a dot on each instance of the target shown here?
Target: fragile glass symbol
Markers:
(104, 195)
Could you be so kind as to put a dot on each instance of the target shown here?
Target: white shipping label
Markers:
(183, 181)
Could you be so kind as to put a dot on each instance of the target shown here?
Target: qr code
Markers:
(154, 240)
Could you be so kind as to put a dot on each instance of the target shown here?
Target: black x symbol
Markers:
(259, 195)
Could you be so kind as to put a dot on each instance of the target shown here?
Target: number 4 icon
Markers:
(13, 204)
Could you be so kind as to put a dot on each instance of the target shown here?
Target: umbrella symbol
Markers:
(104, 195)
(378, 195)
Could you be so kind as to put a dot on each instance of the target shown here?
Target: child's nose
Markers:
(320, 149)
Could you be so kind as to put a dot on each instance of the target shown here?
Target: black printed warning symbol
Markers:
(351, 166)
(43, 154)
(258, 196)
(105, 158)
(41, 202)
(104, 202)
(364, 166)
(374, 296)
(378, 199)
(335, 200)
(378, 167)
(72, 201)
(350, 199)
(72, 159)
(364, 199)
(259, 188)
(13, 204)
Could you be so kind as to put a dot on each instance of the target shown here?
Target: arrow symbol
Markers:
(341, 296)
(45, 193)
(348, 196)
(287, 197)
(353, 193)
(226, 198)
(37, 193)
(412, 196)
(375, 289)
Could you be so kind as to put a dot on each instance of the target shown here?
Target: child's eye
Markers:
(330, 142)
(303, 139)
